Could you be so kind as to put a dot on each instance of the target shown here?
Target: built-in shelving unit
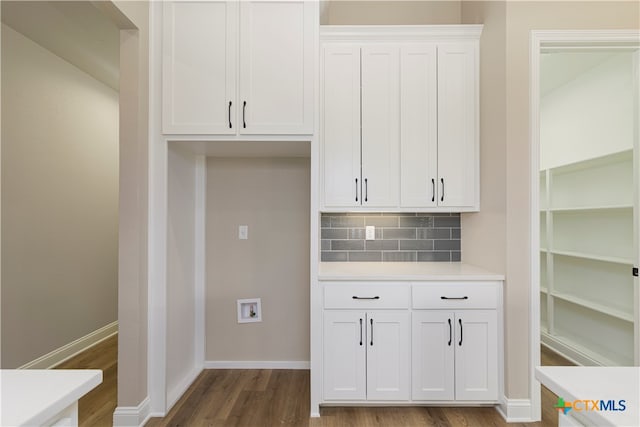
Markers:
(586, 256)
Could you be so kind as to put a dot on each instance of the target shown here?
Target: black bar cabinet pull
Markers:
(464, 297)
(366, 190)
(356, 189)
(244, 107)
(360, 331)
(230, 115)
(371, 331)
(442, 196)
(433, 190)
(460, 321)
(450, 332)
(357, 297)
(635, 271)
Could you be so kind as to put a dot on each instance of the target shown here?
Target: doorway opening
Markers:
(584, 198)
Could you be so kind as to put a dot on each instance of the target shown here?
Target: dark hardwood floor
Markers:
(96, 407)
(253, 398)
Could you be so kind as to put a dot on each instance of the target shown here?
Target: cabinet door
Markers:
(457, 125)
(388, 355)
(476, 342)
(433, 356)
(340, 126)
(277, 66)
(380, 125)
(344, 355)
(418, 126)
(199, 67)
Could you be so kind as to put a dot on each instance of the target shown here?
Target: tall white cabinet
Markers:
(399, 118)
(238, 68)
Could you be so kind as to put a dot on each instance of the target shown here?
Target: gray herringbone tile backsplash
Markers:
(399, 237)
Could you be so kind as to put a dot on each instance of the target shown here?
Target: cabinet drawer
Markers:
(455, 295)
(366, 295)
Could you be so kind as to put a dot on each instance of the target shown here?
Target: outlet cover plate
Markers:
(370, 232)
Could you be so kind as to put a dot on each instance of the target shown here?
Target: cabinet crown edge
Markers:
(371, 33)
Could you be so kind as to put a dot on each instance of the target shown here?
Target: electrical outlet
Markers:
(243, 232)
(370, 232)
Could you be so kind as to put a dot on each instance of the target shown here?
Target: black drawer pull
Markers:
(357, 297)
(464, 297)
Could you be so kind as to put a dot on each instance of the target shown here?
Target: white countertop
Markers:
(403, 271)
(596, 383)
(30, 397)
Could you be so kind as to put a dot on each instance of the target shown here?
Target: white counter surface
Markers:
(415, 271)
(596, 383)
(31, 397)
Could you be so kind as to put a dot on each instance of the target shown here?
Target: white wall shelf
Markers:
(591, 208)
(628, 317)
(574, 254)
(587, 249)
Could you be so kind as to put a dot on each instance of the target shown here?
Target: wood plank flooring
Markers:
(255, 398)
(252, 398)
(96, 407)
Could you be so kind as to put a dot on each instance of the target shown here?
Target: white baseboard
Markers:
(569, 352)
(59, 355)
(174, 395)
(132, 416)
(515, 410)
(276, 364)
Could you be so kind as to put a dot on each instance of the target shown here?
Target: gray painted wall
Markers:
(59, 201)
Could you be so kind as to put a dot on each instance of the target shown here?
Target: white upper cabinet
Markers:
(360, 125)
(419, 124)
(340, 125)
(418, 112)
(239, 68)
(380, 125)
(276, 66)
(199, 67)
(458, 125)
(439, 131)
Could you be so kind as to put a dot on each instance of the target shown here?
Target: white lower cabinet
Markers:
(411, 342)
(455, 355)
(366, 355)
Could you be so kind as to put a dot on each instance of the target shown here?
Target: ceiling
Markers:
(73, 30)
